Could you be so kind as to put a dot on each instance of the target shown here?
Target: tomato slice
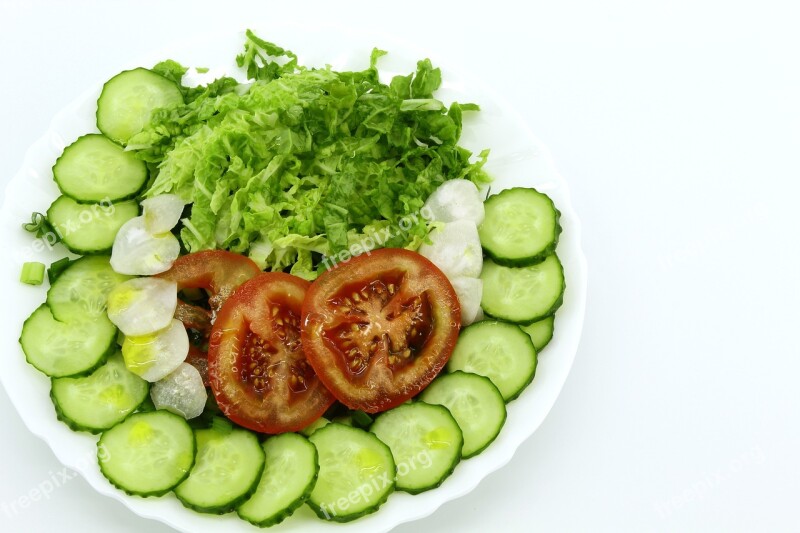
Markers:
(256, 365)
(217, 271)
(380, 327)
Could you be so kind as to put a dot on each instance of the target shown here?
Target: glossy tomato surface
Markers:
(218, 272)
(378, 328)
(256, 365)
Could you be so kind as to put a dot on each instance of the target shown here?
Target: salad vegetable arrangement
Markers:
(282, 288)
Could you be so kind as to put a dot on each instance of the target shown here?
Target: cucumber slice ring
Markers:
(475, 403)
(426, 443)
(521, 227)
(289, 476)
(148, 454)
(226, 472)
(356, 473)
(96, 169)
(523, 295)
(498, 350)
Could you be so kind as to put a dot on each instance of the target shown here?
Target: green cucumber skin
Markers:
(153, 493)
(221, 509)
(85, 251)
(116, 199)
(342, 519)
(228, 506)
(100, 362)
(535, 360)
(289, 510)
(551, 332)
(83, 373)
(74, 426)
(550, 312)
(502, 422)
(349, 518)
(536, 258)
(453, 465)
(99, 120)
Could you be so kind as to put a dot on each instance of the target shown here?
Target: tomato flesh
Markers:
(256, 365)
(379, 328)
(217, 271)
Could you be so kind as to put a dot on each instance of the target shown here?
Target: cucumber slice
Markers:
(129, 99)
(95, 169)
(520, 227)
(227, 470)
(101, 400)
(290, 473)
(81, 291)
(321, 422)
(148, 454)
(523, 295)
(498, 350)
(59, 350)
(540, 332)
(425, 441)
(356, 473)
(474, 402)
(89, 228)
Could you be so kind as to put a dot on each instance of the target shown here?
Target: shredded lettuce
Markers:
(302, 163)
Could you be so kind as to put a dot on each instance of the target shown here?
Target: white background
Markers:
(677, 127)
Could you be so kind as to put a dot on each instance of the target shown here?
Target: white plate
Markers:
(517, 159)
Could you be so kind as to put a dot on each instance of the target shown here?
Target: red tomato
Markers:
(256, 365)
(380, 327)
(218, 272)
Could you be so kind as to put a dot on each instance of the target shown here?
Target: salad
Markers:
(293, 290)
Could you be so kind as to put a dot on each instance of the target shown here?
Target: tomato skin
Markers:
(256, 366)
(379, 328)
(218, 271)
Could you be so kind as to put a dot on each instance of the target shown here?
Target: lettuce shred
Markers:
(301, 163)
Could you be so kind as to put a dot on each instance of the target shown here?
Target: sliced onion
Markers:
(156, 355)
(181, 392)
(162, 212)
(456, 200)
(138, 252)
(469, 291)
(143, 305)
(455, 249)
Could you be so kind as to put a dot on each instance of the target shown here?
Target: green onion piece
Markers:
(57, 268)
(361, 419)
(32, 273)
(221, 425)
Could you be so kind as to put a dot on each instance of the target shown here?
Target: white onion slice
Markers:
(181, 392)
(469, 292)
(162, 213)
(455, 249)
(142, 305)
(139, 253)
(456, 200)
(156, 355)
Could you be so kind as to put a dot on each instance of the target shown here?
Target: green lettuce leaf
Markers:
(304, 164)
